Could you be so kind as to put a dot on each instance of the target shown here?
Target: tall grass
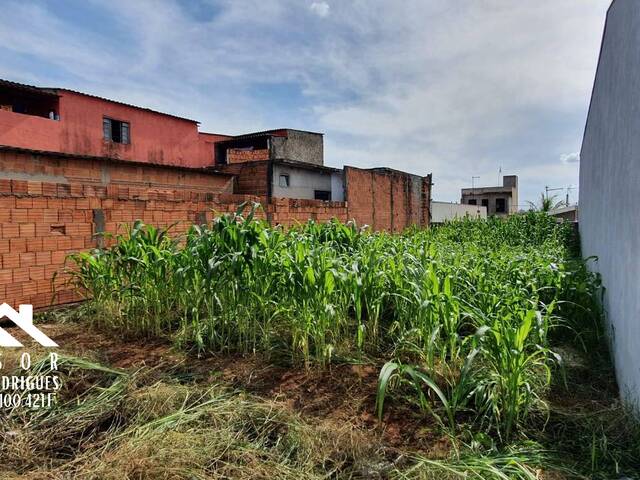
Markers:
(465, 312)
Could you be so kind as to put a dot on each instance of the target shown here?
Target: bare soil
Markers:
(337, 395)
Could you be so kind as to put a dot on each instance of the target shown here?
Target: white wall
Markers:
(610, 187)
(337, 186)
(303, 182)
(443, 211)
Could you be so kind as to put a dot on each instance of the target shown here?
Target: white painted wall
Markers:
(337, 186)
(610, 187)
(443, 211)
(303, 182)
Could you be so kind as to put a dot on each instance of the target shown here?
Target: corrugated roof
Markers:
(305, 165)
(53, 91)
(27, 88)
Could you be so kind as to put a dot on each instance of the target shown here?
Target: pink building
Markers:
(65, 121)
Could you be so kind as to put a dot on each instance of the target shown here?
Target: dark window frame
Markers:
(287, 180)
(472, 201)
(501, 205)
(324, 195)
(121, 134)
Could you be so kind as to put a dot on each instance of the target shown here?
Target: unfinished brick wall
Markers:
(252, 178)
(22, 164)
(387, 199)
(52, 206)
(235, 155)
(290, 211)
(42, 223)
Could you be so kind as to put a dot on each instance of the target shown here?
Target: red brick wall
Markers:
(290, 211)
(252, 178)
(42, 223)
(387, 199)
(50, 207)
(241, 156)
(20, 164)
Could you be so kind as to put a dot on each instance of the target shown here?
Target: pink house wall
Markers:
(155, 138)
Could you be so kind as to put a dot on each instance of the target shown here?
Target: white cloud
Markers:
(320, 8)
(570, 157)
(457, 90)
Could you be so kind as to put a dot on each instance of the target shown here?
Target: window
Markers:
(485, 202)
(501, 205)
(472, 201)
(284, 181)
(322, 195)
(116, 131)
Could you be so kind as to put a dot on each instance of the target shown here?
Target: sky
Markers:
(457, 88)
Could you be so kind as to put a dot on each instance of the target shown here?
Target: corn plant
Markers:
(466, 312)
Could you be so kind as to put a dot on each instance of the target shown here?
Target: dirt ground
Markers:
(339, 394)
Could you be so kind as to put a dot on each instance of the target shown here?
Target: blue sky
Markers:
(459, 88)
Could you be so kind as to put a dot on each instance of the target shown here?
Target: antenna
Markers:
(547, 189)
(569, 188)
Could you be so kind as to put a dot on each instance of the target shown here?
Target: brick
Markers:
(10, 230)
(49, 243)
(27, 259)
(34, 245)
(43, 258)
(19, 187)
(17, 245)
(5, 186)
(6, 276)
(20, 275)
(10, 260)
(28, 230)
(36, 273)
(19, 215)
(14, 290)
(49, 189)
(34, 188)
(58, 257)
(63, 190)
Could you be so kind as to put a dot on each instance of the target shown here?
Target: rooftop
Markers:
(54, 91)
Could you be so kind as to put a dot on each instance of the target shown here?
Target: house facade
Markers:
(500, 200)
(65, 121)
(289, 162)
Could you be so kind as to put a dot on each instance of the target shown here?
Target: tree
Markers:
(546, 204)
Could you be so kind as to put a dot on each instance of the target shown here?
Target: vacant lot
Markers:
(241, 351)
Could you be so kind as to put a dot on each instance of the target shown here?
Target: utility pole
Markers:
(473, 183)
(569, 188)
(547, 190)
